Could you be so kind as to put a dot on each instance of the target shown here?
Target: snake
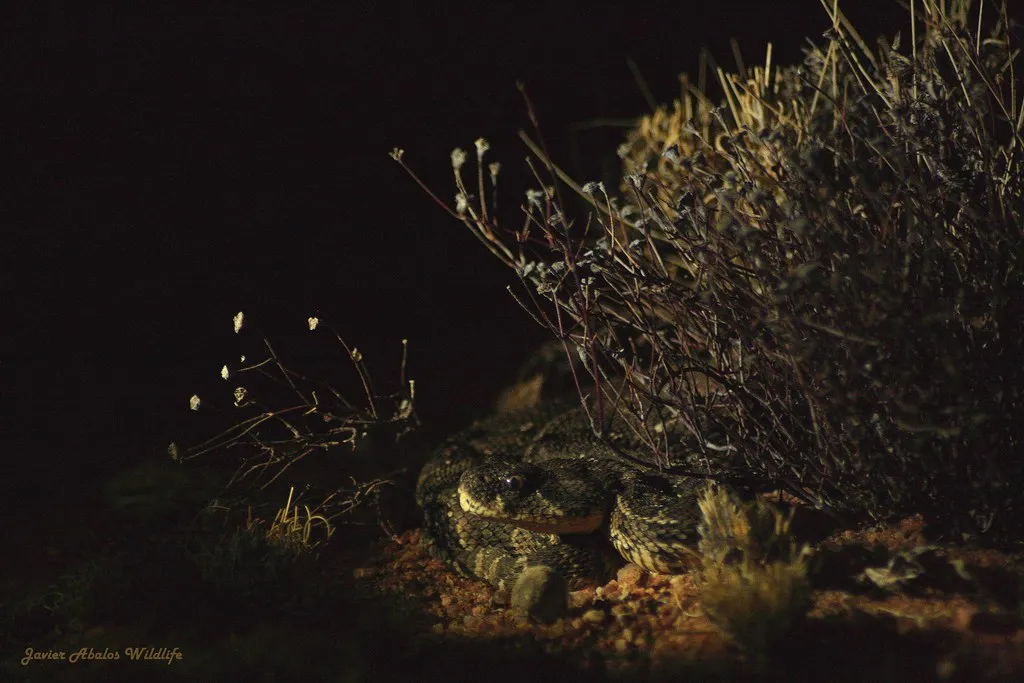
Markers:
(538, 490)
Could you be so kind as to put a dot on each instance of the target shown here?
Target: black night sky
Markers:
(170, 167)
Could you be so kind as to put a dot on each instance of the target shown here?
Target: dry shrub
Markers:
(817, 280)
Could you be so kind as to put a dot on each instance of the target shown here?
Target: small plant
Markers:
(754, 583)
(64, 607)
(283, 428)
(250, 565)
(294, 526)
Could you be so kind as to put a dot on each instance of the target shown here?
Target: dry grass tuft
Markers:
(754, 583)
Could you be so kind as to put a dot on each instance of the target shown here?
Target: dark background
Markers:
(170, 168)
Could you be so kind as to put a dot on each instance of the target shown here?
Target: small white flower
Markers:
(592, 187)
(357, 355)
(397, 153)
(224, 372)
(172, 450)
(461, 203)
(242, 359)
(313, 322)
(240, 394)
(494, 168)
(194, 402)
(239, 321)
(481, 148)
(458, 158)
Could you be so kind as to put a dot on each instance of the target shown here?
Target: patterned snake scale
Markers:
(538, 489)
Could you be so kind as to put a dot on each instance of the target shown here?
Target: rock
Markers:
(631, 575)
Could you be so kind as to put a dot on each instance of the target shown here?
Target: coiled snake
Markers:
(539, 491)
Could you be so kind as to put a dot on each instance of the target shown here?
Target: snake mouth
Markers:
(549, 522)
(565, 525)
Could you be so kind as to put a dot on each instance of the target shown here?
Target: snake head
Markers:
(558, 496)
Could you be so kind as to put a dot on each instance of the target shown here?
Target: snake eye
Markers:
(514, 482)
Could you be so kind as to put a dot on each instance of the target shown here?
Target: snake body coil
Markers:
(539, 490)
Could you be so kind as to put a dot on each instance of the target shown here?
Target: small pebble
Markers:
(631, 575)
(580, 598)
